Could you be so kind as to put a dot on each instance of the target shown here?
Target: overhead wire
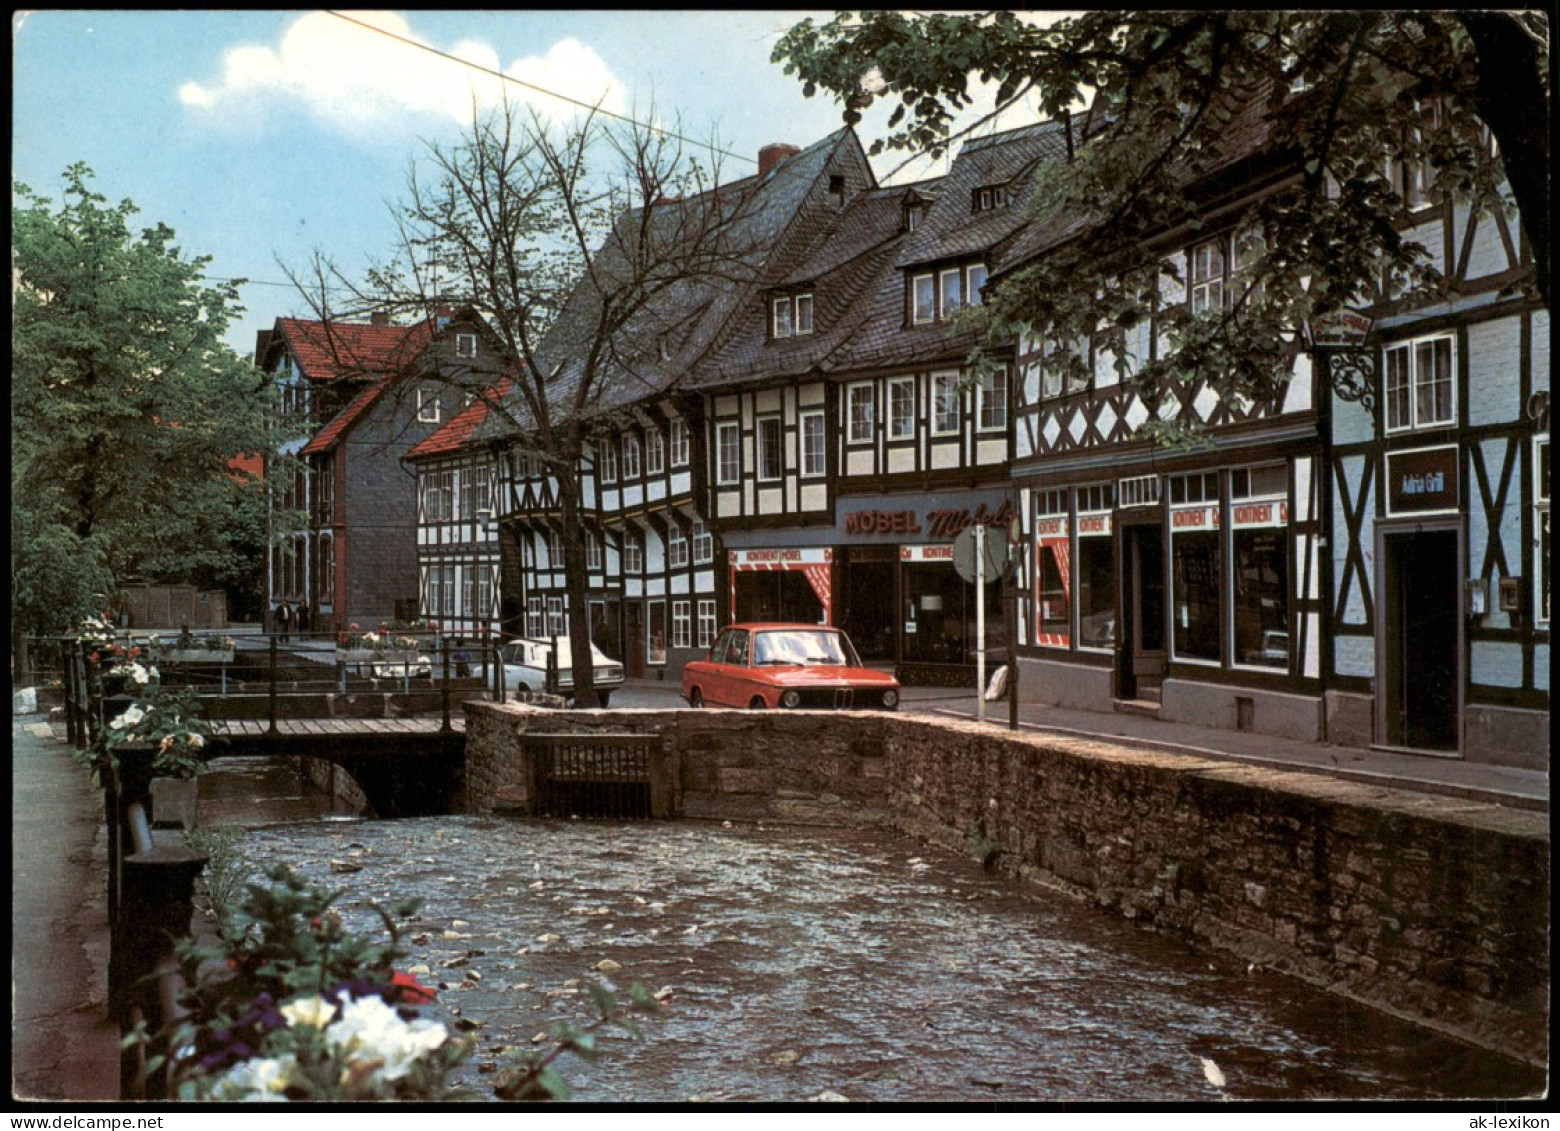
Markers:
(539, 89)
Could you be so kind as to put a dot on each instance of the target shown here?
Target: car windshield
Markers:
(803, 646)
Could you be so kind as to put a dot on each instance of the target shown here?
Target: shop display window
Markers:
(1195, 571)
(1261, 599)
(656, 643)
(1096, 590)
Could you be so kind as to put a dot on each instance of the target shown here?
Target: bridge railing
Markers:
(151, 892)
(275, 676)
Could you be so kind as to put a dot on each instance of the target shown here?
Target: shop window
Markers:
(901, 408)
(814, 457)
(945, 404)
(728, 453)
(1417, 378)
(1055, 562)
(1096, 588)
(1196, 567)
(859, 412)
(655, 641)
(1139, 491)
(771, 462)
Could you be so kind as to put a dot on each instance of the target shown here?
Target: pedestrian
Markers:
(305, 618)
(462, 660)
(283, 621)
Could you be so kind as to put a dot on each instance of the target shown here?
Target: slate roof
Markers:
(770, 218)
(464, 425)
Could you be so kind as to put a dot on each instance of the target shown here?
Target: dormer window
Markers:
(912, 218)
(791, 316)
(934, 296)
(465, 345)
(989, 197)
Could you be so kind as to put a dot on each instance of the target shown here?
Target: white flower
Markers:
(370, 1031)
(312, 1011)
(262, 1079)
(131, 716)
(155, 674)
(139, 674)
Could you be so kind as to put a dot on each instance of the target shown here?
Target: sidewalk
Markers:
(1453, 777)
(64, 1047)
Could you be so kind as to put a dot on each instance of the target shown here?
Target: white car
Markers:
(420, 668)
(525, 668)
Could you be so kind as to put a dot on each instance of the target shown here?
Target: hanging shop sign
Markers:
(1421, 480)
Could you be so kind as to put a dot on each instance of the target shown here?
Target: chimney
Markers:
(771, 156)
(443, 315)
(379, 318)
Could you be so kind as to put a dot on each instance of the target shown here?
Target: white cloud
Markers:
(359, 81)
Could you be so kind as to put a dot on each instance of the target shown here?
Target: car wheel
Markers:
(604, 697)
(758, 704)
(695, 700)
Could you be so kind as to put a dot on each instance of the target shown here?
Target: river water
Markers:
(808, 962)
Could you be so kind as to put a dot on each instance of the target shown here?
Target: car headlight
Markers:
(890, 698)
(791, 699)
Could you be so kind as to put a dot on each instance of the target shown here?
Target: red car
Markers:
(805, 666)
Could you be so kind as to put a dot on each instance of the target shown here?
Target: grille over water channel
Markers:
(598, 775)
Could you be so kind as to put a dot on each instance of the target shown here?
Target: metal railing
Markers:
(151, 904)
(294, 672)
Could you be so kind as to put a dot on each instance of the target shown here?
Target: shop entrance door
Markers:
(1421, 646)
(633, 640)
(1140, 645)
(869, 601)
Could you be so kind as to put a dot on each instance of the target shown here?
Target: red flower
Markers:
(408, 990)
(93, 657)
(136, 651)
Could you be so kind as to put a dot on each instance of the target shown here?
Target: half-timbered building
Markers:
(1438, 493)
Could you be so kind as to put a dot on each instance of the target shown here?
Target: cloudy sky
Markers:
(261, 136)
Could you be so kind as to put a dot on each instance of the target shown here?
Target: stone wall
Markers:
(1431, 908)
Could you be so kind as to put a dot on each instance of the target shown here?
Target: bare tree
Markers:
(599, 259)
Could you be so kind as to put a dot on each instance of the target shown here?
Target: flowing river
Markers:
(809, 962)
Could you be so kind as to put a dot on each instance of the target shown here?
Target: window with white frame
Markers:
(444, 507)
(630, 456)
(989, 197)
(771, 462)
(428, 406)
(1541, 529)
(592, 550)
(703, 543)
(923, 299)
(465, 345)
(706, 610)
(993, 399)
(468, 590)
(554, 549)
(483, 609)
(1208, 262)
(655, 452)
(901, 408)
(945, 404)
(447, 578)
(791, 315)
(859, 405)
(1410, 172)
(482, 487)
(728, 452)
(680, 444)
(676, 545)
(814, 456)
(535, 626)
(633, 554)
(974, 283)
(1259, 565)
(556, 626)
(607, 457)
(949, 295)
(1417, 380)
(682, 624)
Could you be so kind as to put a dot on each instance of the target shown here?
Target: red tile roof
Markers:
(454, 435)
(247, 466)
(325, 439)
(327, 351)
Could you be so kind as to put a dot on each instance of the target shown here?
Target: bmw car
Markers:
(798, 666)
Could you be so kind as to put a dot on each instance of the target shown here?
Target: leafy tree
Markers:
(126, 408)
(583, 248)
(1156, 104)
